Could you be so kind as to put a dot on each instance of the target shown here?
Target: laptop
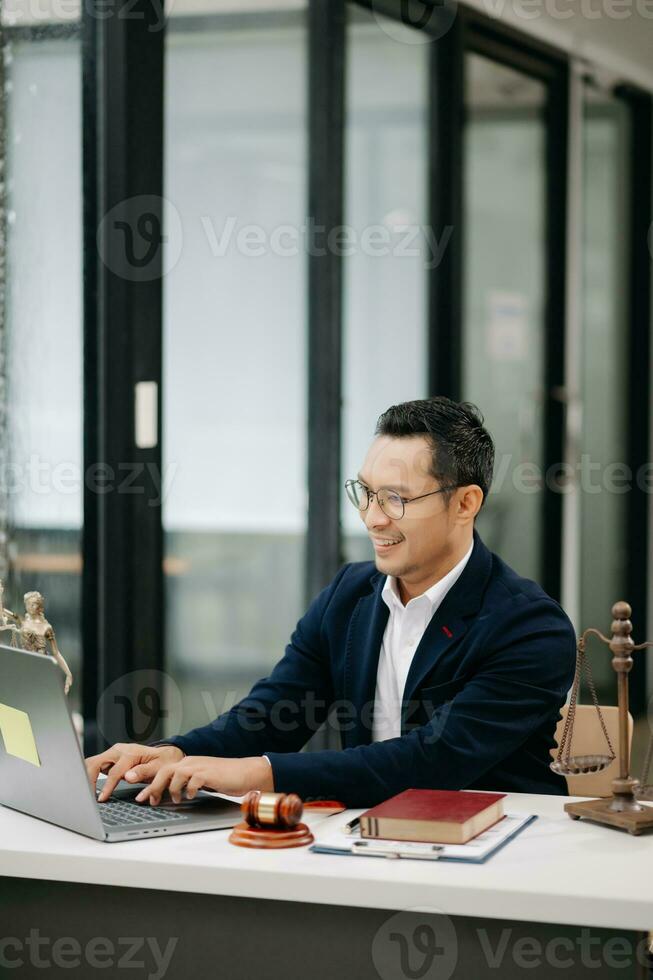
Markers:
(42, 770)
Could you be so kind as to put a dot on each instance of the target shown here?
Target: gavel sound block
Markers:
(271, 820)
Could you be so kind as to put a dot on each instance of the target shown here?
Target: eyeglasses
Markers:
(391, 503)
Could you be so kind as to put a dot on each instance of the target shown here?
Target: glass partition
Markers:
(504, 270)
(604, 442)
(390, 250)
(42, 479)
(234, 352)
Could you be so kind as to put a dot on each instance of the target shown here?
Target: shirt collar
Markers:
(434, 595)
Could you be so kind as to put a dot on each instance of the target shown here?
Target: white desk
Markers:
(556, 871)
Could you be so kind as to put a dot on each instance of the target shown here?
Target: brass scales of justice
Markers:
(624, 808)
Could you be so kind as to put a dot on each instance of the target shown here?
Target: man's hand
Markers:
(233, 777)
(135, 763)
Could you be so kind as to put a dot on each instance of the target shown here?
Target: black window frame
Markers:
(122, 581)
(638, 341)
(539, 61)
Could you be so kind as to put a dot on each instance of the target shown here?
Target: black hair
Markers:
(462, 448)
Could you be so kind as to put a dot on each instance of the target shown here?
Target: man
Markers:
(445, 669)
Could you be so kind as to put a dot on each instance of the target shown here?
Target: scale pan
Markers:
(582, 765)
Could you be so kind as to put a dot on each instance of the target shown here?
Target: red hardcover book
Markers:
(433, 815)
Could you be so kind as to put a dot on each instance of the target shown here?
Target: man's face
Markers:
(425, 535)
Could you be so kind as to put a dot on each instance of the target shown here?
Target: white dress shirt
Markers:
(404, 630)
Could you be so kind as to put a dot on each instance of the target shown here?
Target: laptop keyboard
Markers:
(115, 813)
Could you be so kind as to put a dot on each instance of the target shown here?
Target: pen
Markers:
(347, 829)
(397, 849)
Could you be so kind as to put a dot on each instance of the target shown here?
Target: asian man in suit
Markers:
(441, 666)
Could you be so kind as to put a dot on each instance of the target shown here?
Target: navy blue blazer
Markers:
(481, 701)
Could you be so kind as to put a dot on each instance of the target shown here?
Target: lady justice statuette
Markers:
(33, 630)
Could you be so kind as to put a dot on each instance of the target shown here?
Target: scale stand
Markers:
(622, 809)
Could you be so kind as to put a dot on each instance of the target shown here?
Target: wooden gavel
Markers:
(280, 810)
(271, 820)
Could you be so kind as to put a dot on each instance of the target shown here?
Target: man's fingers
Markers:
(195, 784)
(96, 764)
(114, 776)
(177, 783)
(154, 791)
(144, 772)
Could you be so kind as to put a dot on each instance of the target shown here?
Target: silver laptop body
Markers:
(58, 789)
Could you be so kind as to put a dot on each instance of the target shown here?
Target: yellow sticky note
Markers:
(17, 734)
